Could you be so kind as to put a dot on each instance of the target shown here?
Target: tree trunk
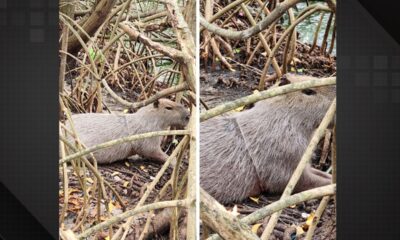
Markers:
(97, 17)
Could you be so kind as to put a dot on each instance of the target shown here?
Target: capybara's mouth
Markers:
(180, 126)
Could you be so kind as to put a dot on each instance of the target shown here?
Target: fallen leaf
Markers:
(299, 231)
(255, 199)
(110, 207)
(295, 59)
(126, 184)
(235, 211)
(310, 219)
(127, 164)
(89, 180)
(255, 227)
(239, 109)
(114, 173)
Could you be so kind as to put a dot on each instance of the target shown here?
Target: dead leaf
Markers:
(255, 227)
(239, 109)
(310, 219)
(234, 211)
(110, 207)
(255, 199)
(89, 180)
(299, 231)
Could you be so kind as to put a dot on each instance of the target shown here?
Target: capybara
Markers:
(96, 128)
(257, 150)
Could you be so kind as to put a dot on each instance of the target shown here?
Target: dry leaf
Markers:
(126, 183)
(110, 207)
(310, 219)
(235, 211)
(89, 180)
(255, 227)
(239, 109)
(114, 173)
(255, 199)
(127, 164)
(295, 59)
(299, 231)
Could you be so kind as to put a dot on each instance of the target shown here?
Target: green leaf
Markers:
(92, 54)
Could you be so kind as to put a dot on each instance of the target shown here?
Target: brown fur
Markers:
(96, 128)
(257, 150)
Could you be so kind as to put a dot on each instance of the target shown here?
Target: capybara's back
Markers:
(246, 153)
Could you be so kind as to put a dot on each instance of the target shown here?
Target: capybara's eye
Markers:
(308, 91)
(168, 108)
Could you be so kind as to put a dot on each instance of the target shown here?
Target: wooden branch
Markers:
(90, 26)
(153, 98)
(261, 26)
(284, 203)
(186, 43)
(289, 201)
(167, 51)
(130, 213)
(214, 215)
(272, 92)
(191, 183)
(317, 217)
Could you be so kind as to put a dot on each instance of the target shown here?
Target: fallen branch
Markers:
(284, 203)
(153, 98)
(214, 215)
(130, 213)
(259, 27)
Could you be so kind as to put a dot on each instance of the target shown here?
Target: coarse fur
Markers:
(257, 150)
(96, 128)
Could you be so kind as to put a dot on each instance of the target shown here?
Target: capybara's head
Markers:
(171, 113)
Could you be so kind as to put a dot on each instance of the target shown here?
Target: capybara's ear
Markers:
(156, 103)
(284, 80)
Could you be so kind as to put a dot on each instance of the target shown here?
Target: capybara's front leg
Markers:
(310, 180)
(321, 173)
(158, 156)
